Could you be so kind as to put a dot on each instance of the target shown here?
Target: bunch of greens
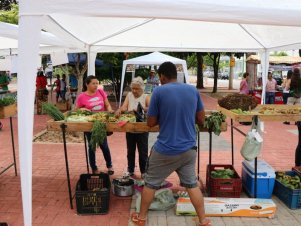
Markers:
(99, 134)
(214, 121)
(8, 100)
(53, 112)
(223, 174)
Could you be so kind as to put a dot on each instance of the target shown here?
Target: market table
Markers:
(111, 127)
(9, 112)
(261, 112)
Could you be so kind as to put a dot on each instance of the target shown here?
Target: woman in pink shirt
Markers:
(95, 100)
(244, 86)
(270, 89)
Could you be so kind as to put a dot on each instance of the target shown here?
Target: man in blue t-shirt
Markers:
(176, 108)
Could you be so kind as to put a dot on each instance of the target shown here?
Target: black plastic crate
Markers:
(291, 197)
(93, 194)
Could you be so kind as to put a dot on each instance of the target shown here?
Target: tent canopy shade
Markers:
(265, 12)
(154, 58)
(224, 25)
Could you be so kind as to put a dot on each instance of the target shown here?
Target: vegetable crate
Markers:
(291, 197)
(8, 111)
(218, 187)
(93, 194)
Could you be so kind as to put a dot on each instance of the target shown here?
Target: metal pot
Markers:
(123, 186)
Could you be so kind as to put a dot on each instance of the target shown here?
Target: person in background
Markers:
(175, 148)
(270, 89)
(152, 80)
(286, 89)
(57, 84)
(136, 139)
(8, 76)
(63, 88)
(73, 86)
(4, 81)
(295, 99)
(95, 100)
(286, 86)
(244, 86)
(41, 91)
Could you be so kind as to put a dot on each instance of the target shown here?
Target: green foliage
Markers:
(7, 4)
(62, 69)
(5, 101)
(10, 16)
(53, 112)
(223, 174)
(99, 134)
(214, 121)
(280, 53)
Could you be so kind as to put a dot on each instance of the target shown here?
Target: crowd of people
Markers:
(291, 93)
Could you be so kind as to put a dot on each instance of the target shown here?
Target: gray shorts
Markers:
(159, 167)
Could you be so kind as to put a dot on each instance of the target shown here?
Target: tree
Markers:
(200, 74)
(10, 15)
(280, 53)
(79, 71)
(7, 4)
(113, 68)
(215, 57)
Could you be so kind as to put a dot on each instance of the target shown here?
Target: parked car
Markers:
(225, 76)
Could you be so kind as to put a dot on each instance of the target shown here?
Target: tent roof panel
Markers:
(233, 11)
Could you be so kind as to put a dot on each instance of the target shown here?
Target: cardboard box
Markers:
(265, 179)
(229, 207)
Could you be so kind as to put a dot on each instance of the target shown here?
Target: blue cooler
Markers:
(265, 178)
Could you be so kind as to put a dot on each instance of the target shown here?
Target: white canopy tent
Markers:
(145, 25)
(49, 43)
(154, 58)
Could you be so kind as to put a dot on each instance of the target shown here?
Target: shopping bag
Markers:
(163, 200)
(253, 143)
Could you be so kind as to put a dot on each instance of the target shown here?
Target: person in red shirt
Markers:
(41, 91)
(57, 84)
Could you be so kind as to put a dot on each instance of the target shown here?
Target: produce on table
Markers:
(223, 174)
(214, 121)
(105, 117)
(292, 182)
(99, 134)
(267, 110)
(236, 101)
(53, 112)
(127, 117)
(8, 100)
(239, 111)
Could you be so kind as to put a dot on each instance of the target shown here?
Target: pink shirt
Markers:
(93, 103)
(244, 87)
(271, 86)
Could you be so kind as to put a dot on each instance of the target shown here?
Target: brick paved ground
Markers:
(50, 197)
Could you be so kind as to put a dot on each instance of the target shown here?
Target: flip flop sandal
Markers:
(137, 221)
(206, 222)
(110, 171)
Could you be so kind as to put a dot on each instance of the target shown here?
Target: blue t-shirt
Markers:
(73, 81)
(175, 105)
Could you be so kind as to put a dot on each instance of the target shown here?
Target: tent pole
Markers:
(27, 69)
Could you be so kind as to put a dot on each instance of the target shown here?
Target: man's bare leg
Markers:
(197, 201)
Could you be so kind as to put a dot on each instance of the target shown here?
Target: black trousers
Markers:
(141, 141)
(298, 148)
